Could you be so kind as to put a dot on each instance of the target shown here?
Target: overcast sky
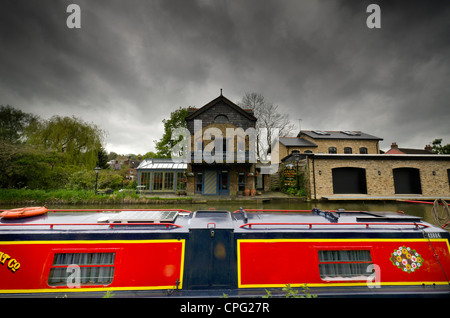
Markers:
(133, 62)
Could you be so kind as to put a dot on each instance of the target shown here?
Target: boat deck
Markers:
(250, 221)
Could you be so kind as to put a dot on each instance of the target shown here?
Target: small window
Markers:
(91, 269)
(241, 182)
(363, 150)
(348, 150)
(344, 264)
(332, 150)
(199, 186)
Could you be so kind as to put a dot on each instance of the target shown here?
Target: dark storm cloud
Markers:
(133, 62)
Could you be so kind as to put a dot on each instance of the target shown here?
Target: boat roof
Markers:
(240, 221)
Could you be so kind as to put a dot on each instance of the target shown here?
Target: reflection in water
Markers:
(220, 251)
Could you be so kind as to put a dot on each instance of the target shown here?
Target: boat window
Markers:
(70, 269)
(344, 264)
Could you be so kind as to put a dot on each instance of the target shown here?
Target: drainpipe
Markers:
(314, 177)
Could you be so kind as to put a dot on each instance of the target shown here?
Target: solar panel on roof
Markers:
(351, 133)
(320, 132)
(140, 217)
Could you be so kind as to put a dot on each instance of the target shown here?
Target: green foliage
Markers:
(290, 292)
(14, 123)
(295, 190)
(76, 140)
(102, 158)
(85, 180)
(165, 144)
(25, 166)
(45, 196)
(52, 154)
(108, 294)
(62, 196)
(439, 148)
(152, 154)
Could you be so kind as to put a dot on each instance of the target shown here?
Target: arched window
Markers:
(332, 150)
(363, 150)
(221, 119)
(348, 150)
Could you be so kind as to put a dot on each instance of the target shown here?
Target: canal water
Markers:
(416, 209)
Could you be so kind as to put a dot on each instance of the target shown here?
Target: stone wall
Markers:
(434, 173)
(340, 144)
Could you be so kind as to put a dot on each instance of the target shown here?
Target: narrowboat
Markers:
(212, 253)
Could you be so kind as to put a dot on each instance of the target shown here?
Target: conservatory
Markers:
(161, 175)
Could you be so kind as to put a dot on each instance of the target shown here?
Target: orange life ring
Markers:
(23, 212)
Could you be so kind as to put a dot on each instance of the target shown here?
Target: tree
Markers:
(438, 148)
(102, 158)
(25, 166)
(165, 144)
(269, 119)
(78, 141)
(150, 155)
(14, 123)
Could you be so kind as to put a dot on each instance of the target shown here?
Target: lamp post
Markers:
(97, 170)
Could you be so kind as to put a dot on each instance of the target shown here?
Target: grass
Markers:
(64, 196)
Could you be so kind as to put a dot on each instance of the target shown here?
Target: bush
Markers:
(85, 180)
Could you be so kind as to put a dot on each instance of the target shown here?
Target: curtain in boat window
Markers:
(344, 264)
(94, 268)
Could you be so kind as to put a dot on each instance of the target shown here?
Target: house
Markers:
(344, 164)
(132, 165)
(392, 176)
(333, 142)
(428, 150)
(223, 160)
(114, 164)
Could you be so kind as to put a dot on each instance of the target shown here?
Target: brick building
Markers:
(333, 142)
(336, 164)
(222, 176)
(349, 164)
(378, 176)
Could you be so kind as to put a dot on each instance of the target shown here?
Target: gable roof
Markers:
(225, 100)
(320, 134)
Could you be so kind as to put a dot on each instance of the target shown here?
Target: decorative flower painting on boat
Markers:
(406, 259)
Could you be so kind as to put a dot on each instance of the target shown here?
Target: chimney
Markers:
(394, 145)
(428, 148)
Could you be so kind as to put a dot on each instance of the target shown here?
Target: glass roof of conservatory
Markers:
(161, 164)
